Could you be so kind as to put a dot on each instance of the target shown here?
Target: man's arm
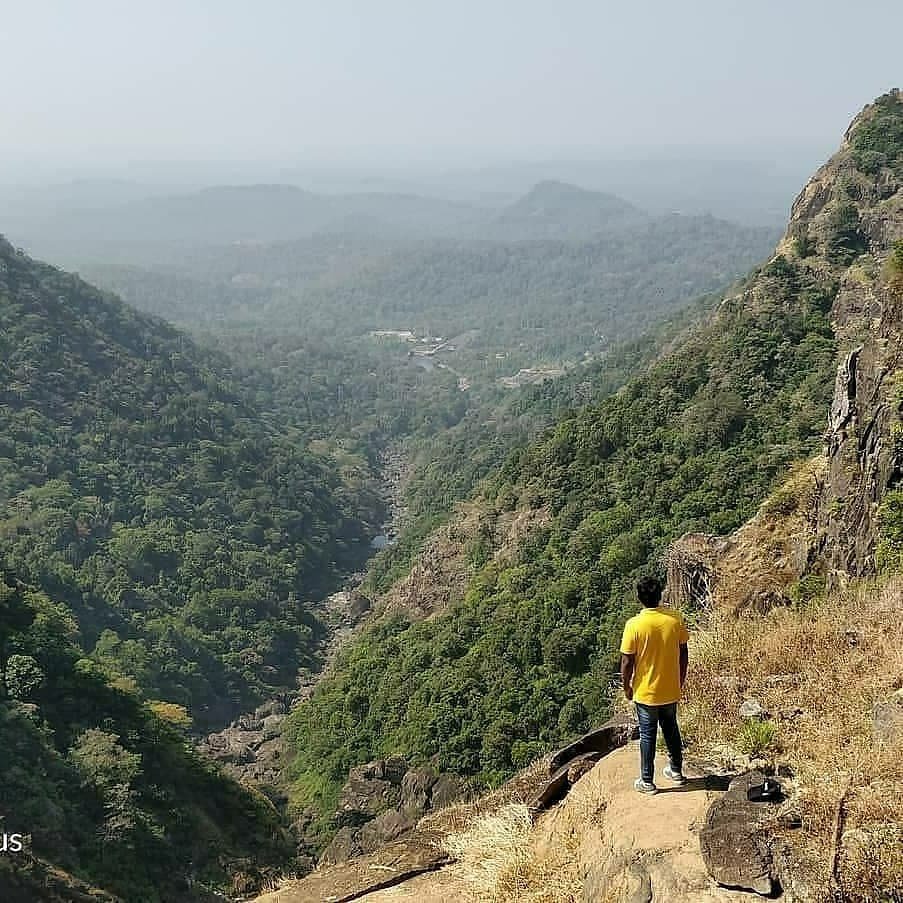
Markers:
(627, 665)
(684, 663)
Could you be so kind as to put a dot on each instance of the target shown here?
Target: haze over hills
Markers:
(148, 228)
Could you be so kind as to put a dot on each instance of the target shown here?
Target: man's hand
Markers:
(684, 663)
(627, 664)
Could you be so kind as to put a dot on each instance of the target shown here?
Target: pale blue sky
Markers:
(105, 80)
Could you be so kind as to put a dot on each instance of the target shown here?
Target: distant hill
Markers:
(76, 227)
(246, 213)
(554, 209)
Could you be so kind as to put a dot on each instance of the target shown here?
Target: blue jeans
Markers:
(650, 716)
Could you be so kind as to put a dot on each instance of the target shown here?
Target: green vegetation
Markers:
(140, 488)
(894, 268)
(808, 589)
(106, 789)
(845, 241)
(296, 318)
(878, 141)
(803, 243)
(695, 443)
(756, 737)
(890, 532)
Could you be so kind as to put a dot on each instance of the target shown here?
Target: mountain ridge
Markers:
(268, 212)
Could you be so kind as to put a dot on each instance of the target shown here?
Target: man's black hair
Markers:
(649, 591)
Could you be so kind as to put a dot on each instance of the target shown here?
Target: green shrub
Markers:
(757, 737)
(845, 241)
(808, 588)
(803, 243)
(893, 269)
(878, 141)
(890, 532)
(23, 676)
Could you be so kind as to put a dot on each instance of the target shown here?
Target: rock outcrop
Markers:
(735, 847)
(390, 865)
(863, 462)
(383, 801)
(753, 569)
(573, 761)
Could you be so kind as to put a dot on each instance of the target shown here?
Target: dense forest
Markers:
(138, 486)
(104, 783)
(298, 319)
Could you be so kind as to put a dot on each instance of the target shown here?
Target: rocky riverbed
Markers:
(251, 747)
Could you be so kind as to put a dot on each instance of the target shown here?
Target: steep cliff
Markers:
(848, 221)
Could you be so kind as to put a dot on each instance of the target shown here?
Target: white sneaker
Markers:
(642, 786)
(673, 775)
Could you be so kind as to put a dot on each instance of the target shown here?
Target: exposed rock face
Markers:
(388, 866)
(863, 461)
(442, 569)
(734, 847)
(751, 569)
(369, 790)
(383, 801)
(250, 748)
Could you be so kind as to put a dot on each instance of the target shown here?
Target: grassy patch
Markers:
(816, 668)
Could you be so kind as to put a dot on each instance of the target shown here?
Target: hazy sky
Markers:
(113, 80)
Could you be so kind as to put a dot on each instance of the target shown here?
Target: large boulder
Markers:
(417, 787)
(448, 789)
(388, 825)
(370, 789)
(734, 846)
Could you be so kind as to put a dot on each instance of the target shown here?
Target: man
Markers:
(653, 671)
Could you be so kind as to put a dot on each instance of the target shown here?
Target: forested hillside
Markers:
(138, 487)
(103, 784)
(693, 444)
(306, 322)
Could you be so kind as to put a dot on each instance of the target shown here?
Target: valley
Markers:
(320, 518)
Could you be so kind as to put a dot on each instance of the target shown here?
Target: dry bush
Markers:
(458, 817)
(497, 858)
(818, 670)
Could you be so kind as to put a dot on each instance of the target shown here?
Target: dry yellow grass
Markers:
(499, 861)
(819, 670)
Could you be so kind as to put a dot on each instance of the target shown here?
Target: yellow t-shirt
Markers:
(654, 637)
